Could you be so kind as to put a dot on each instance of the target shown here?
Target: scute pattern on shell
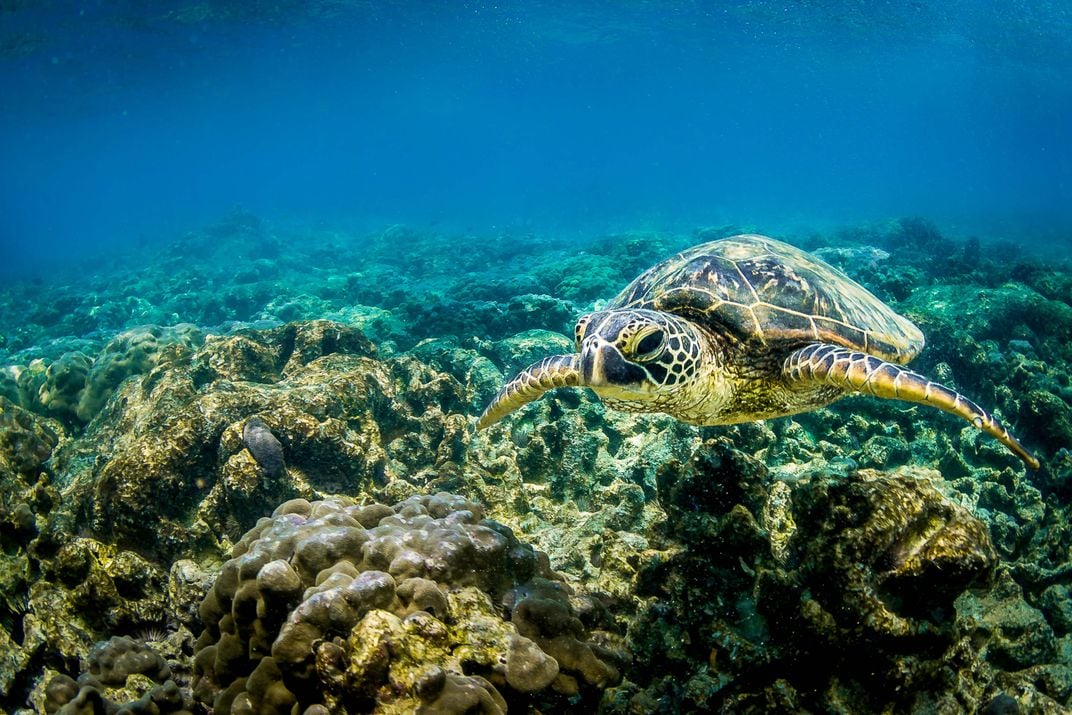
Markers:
(770, 292)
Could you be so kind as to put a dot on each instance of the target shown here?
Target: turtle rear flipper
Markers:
(859, 372)
(530, 384)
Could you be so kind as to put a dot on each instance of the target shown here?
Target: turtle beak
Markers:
(602, 364)
(592, 364)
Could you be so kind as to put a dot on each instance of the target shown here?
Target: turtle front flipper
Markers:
(860, 372)
(530, 384)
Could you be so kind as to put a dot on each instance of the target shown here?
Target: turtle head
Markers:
(635, 360)
(638, 356)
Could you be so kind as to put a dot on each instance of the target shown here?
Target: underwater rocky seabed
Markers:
(242, 477)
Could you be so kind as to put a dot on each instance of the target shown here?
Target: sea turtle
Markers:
(740, 329)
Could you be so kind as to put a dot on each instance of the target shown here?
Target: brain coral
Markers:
(424, 606)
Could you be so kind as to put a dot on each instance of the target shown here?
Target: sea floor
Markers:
(239, 474)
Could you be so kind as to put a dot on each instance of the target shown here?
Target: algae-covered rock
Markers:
(133, 352)
(516, 352)
(436, 316)
(123, 675)
(585, 277)
(1010, 312)
(854, 260)
(1007, 653)
(75, 385)
(476, 373)
(9, 384)
(805, 594)
(27, 497)
(89, 588)
(65, 380)
(918, 548)
(580, 482)
(1048, 416)
(83, 590)
(26, 442)
(178, 440)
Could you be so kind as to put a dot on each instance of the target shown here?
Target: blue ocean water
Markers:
(126, 123)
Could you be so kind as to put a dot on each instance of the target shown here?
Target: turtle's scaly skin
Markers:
(547, 374)
(746, 328)
(861, 372)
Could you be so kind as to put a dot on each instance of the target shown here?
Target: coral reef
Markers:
(186, 442)
(865, 557)
(26, 498)
(875, 598)
(363, 608)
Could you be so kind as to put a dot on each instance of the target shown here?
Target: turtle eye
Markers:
(647, 347)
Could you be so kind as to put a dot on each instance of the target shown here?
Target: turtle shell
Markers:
(772, 294)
